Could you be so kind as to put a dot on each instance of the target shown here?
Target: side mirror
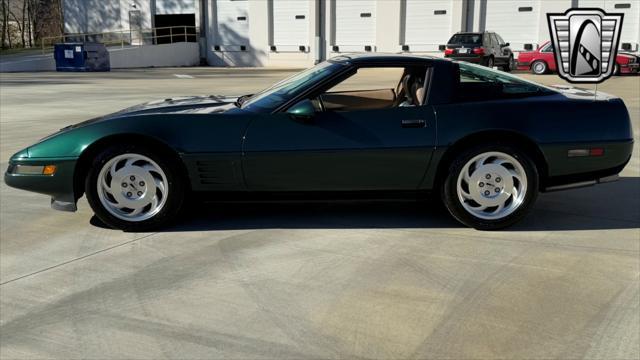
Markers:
(506, 44)
(303, 110)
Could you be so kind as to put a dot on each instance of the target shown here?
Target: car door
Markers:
(370, 149)
(497, 50)
(505, 50)
(343, 144)
(546, 54)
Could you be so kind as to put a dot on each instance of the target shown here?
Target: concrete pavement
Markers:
(322, 280)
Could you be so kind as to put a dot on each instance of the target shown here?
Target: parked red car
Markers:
(541, 61)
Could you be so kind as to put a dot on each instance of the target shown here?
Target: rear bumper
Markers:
(60, 186)
(472, 59)
(567, 173)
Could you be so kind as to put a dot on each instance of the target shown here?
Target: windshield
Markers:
(510, 84)
(475, 39)
(269, 99)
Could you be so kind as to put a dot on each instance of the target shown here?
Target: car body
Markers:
(300, 139)
(486, 48)
(542, 60)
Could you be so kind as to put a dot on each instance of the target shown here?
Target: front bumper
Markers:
(60, 186)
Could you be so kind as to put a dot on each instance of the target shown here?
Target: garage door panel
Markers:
(427, 24)
(290, 23)
(631, 24)
(515, 21)
(233, 23)
(355, 22)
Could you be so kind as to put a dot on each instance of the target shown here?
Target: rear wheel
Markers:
(539, 67)
(509, 65)
(490, 187)
(489, 62)
(133, 188)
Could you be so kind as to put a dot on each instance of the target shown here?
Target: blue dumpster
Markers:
(81, 57)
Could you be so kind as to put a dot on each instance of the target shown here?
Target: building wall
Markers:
(241, 32)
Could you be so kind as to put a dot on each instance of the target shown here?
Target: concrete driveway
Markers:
(322, 280)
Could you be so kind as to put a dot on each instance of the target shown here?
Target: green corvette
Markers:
(485, 141)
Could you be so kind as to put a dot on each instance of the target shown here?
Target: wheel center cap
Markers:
(133, 186)
(487, 184)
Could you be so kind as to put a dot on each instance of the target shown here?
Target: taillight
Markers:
(478, 51)
(448, 51)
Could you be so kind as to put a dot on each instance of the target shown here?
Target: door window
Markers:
(377, 88)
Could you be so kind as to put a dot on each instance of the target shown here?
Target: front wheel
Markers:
(490, 187)
(133, 188)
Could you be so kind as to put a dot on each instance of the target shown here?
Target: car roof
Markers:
(383, 58)
(472, 32)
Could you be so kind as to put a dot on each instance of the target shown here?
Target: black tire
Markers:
(449, 193)
(539, 67)
(489, 62)
(509, 65)
(175, 185)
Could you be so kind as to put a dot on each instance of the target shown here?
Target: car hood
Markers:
(186, 104)
(179, 105)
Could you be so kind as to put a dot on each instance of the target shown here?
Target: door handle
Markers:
(413, 123)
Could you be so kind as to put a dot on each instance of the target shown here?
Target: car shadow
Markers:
(606, 206)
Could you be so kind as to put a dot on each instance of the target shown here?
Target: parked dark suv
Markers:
(486, 48)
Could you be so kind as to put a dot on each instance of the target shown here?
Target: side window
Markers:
(377, 88)
(500, 40)
(371, 79)
(495, 40)
(547, 48)
(479, 83)
(486, 39)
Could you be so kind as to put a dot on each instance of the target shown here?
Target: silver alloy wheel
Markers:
(539, 67)
(132, 187)
(492, 185)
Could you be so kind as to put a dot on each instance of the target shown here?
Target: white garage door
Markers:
(169, 7)
(233, 24)
(515, 21)
(427, 24)
(630, 25)
(290, 24)
(355, 24)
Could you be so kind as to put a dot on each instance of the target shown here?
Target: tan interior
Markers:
(359, 100)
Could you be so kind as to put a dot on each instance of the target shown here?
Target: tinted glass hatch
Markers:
(474, 39)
